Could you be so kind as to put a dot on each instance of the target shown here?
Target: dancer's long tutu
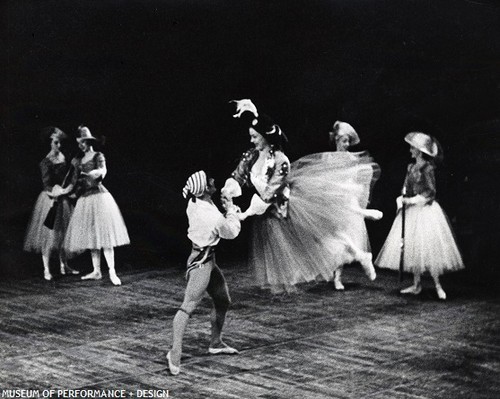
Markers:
(327, 190)
(41, 239)
(429, 242)
(96, 223)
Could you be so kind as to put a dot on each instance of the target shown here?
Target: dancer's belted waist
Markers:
(199, 256)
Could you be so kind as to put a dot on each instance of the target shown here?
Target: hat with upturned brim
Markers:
(423, 142)
(345, 129)
(85, 134)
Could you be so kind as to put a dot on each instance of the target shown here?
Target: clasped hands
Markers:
(415, 200)
(231, 208)
(93, 174)
(57, 191)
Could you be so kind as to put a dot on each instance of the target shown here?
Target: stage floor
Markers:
(368, 341)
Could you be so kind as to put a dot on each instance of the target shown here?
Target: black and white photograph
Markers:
(250, 199)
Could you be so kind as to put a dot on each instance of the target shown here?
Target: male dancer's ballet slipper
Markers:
(174, 370)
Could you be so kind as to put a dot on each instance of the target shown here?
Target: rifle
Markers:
(51, 214)
(402, 254)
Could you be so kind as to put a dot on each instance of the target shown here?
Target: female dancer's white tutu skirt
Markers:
(41, 239)
(96, 223)
(429, 242)
(323, 222)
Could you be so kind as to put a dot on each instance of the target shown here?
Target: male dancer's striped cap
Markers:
(195, 185)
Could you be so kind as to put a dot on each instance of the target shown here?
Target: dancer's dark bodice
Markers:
(421, 180)
(52, 173)
(85, 185)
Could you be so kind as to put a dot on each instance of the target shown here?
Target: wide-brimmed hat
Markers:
(85, 134)
(345, 129)
(423, 142)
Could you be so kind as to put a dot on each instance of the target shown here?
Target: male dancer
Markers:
(207, 225)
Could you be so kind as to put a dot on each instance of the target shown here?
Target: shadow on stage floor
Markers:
(368, 341)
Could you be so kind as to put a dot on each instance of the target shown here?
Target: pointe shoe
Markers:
(174, 370)
(47, 276)
(338, 285)
(114, 279)
(413, 289)
(222, 349)
(92, 276)
(441, 293)
(68, 270)
(366, 263)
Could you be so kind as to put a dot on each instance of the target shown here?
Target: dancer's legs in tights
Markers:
(364, 258)
(96, 263)
(337, 278)
(416, 288)
(63, 262)
(440, 292)
(218, 290)
(196, 287)
(109, 254)
(46, 270)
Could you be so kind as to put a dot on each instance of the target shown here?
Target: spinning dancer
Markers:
(342, 137)
(302, 212)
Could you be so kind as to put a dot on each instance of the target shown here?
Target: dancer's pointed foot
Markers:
(47, 276)
(338, 285)
(413, 289)
(441, 293)
(367, 264)
(92, 276)
(174, 370)
(114, 278)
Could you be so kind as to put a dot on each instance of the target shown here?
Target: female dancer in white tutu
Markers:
(97, 223)
(207, 226)
(429, 244)
(40, 238)
(302, 218)
(342, 138)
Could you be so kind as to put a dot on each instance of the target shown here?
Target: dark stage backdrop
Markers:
(155, 78)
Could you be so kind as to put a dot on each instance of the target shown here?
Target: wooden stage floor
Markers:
(365, 342)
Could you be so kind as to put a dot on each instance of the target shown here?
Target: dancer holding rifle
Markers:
(47, 237)
(429, 243)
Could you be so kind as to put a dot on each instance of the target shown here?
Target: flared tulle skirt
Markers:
(41, 239)
(96, 223)
(429, 243)
(323, 224)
